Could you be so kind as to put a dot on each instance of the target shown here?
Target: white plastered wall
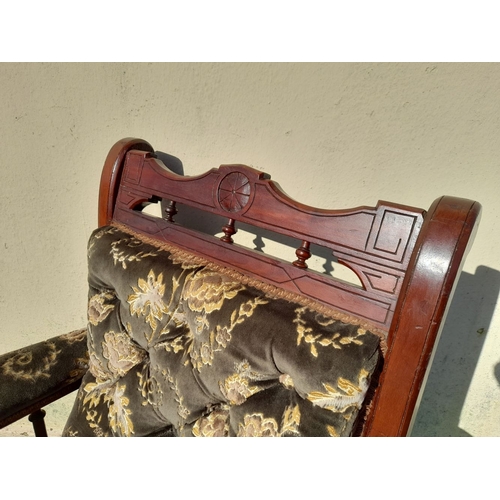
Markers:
(334, 135)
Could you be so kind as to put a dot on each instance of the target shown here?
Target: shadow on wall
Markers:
(457, 354)
(497, 372)
(171, 162)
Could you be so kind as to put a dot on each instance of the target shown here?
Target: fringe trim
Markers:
(271, 291)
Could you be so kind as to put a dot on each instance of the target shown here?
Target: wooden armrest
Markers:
(35, 376)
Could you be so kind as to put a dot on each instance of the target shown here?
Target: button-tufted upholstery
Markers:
(180, 346)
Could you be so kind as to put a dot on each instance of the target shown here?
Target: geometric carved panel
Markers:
(383, 282)
(132, 172)
(390, 234)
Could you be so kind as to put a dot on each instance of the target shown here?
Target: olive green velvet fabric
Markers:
(40, 370)
(181, 347)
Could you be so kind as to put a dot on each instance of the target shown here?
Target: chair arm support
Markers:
(36, 375)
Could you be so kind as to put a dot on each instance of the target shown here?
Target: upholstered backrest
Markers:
(191, 334)
(181, 346)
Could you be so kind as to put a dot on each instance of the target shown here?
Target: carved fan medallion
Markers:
(234, 192)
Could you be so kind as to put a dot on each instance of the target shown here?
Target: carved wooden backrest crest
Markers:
(376, 243)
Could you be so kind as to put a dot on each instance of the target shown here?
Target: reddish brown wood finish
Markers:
(407, 260)
(444, 240)
(376, 243)
(111, 175)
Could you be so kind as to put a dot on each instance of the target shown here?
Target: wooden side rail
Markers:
(446, 236)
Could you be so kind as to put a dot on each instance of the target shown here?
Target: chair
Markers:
(192, 334)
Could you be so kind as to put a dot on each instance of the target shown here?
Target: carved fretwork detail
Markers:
(390, 234)
(374, 277)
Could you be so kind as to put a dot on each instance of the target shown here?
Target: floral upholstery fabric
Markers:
(179, 346)
(36, 371)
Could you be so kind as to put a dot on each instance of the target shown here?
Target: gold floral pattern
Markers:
(74, 336)
(147, 299)
(183, 259)
(305, 333)
(119, 414)
(207, 290)
(236, 388)
(24, 366)
(215, 424)
(121, 353)
(345, 396)
(182, 409)
(99, 307)
(38, 370)
(150, 388)
(129, 254)
(256, 425)
(94, 419)
(219, 338)
(222, 336)
(291, 421)
(96, 365)
(175, 345)
(98, 234)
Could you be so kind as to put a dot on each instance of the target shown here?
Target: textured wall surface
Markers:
(334, 135)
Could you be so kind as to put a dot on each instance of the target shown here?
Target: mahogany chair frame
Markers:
(407, 259)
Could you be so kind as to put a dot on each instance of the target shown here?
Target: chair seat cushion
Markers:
(181, 346)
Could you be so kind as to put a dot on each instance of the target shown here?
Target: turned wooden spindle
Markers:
(170, 211)
(228, 230)
(302, 254)
(37, 419)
